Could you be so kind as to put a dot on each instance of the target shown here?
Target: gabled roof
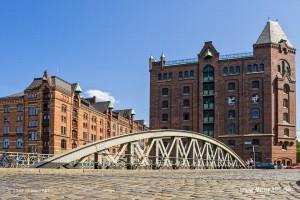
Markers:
(126, 113)
(54, 81)
(273, 33)
(101, 106)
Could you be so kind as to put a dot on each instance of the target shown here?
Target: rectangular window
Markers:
(33, 111)
(63, 130)
(6, 130)
(231, 86)
(19, 117)
(164, 104)
(19, 129)
(231, 114)
(32, 136)
(33, 123)
(6, 109)
(255, 113)
(64, 108)
(186, 103)
(165, 91)
(255, 85)
(6, 118)
(186, 90)
(186, 116)
(20, 108)
(164, 117)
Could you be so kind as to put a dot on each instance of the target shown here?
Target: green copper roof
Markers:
(78, 88)
(133, 112)
(110, 105)
(208, 54)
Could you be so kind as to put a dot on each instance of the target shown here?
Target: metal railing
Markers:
(20, 159)
(235, 55)
(195, 60)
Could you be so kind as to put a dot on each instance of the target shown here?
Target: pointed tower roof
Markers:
(78, 88)
(110, 105)
(273, 33)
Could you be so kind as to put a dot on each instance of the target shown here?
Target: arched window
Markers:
(6, 144)
(19, 143)
(192, 73)
(186, 74)
(284, 146)
(286, 88)
(225, 70)
(208, 73)
(63, 144)
(74, 145)
(287, 132)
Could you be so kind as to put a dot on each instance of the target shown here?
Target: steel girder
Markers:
(155, 149)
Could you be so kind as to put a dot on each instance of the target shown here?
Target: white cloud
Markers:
(100, 95)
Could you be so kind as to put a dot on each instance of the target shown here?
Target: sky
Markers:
(105, 45)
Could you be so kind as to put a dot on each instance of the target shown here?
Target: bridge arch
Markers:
(156, 148)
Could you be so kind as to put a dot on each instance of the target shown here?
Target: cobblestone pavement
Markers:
(164, 184)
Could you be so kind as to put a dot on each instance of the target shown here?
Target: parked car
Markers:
(293, 166)
(264, 166)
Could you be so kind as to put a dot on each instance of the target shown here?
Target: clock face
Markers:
(284, 68)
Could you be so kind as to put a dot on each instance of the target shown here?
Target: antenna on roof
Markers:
(57, 70)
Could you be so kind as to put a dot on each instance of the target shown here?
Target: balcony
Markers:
(207, 120)
(208, 78)
(208, 93)
(208, 106)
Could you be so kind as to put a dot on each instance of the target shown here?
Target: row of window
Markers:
(185, 116)
(165, 104)
(6, 143)
(181, 74)
(7, 108)
(232, 86)
(185, 91)
(237, 69)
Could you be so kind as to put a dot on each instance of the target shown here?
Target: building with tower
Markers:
(50, 117)
(246, 100)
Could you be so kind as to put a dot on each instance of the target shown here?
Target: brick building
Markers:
(50, 116)
(246, 100)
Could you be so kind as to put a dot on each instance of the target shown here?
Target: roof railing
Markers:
(222, 57)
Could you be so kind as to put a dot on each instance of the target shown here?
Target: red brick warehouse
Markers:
(244, 100)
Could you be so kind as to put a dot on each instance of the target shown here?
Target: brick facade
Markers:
(245, 100)
(50, 116)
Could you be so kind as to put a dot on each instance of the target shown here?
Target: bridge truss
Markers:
(151, 149)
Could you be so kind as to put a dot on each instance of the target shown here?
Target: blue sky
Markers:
(105, 45)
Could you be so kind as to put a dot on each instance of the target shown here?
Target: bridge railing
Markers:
(20, 159)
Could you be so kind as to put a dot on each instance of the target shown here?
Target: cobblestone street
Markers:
(164, 184)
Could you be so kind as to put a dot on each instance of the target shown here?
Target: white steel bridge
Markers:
(151, 149)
